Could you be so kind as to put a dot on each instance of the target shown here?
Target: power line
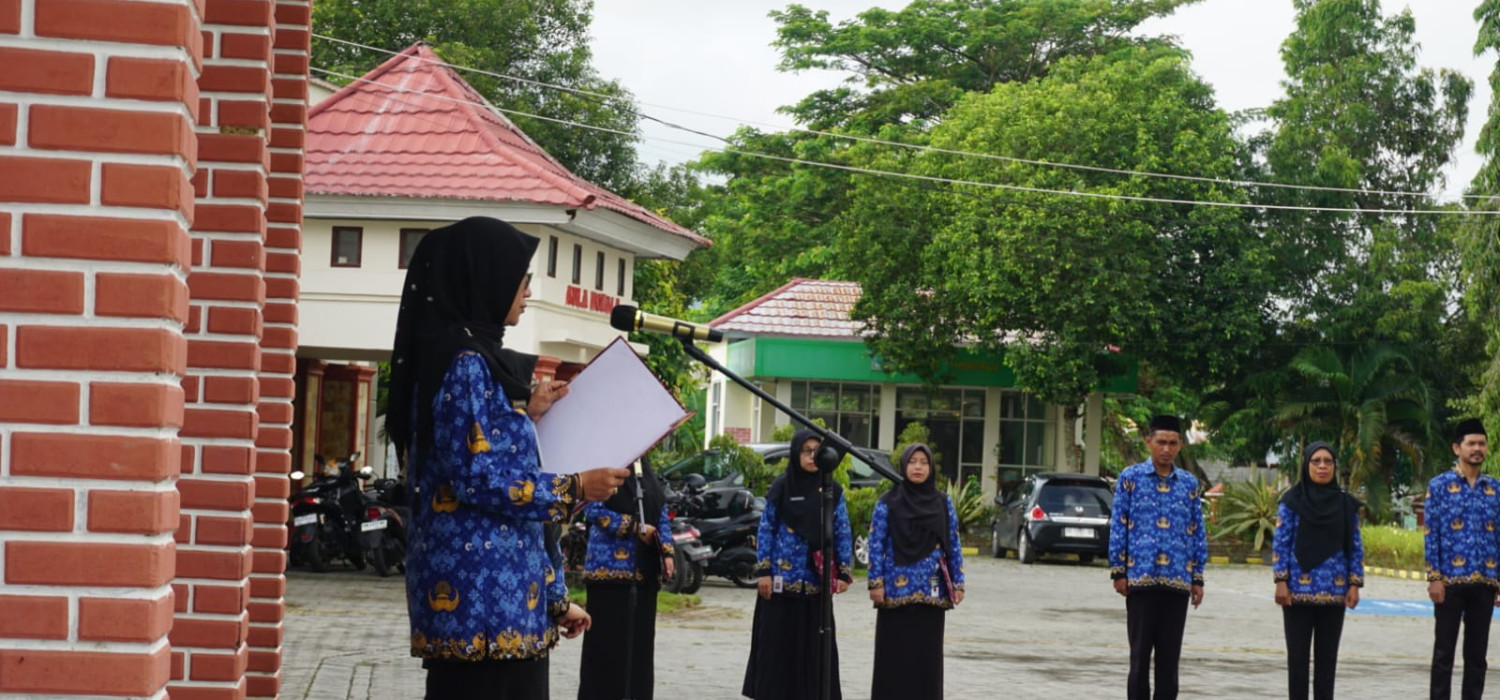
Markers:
(932, 178)
(630, 105)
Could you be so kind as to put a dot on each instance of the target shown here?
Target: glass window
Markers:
(1025, 444)
(552, 256)
(1075, 500)
(577, 264)
(599, 271)
(955, 426)
(410, 237)
(620, 287)
(851, 410)
(348, 242)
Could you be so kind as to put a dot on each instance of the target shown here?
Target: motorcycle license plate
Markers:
(301, 520)
(373, 525)
(1080, 533)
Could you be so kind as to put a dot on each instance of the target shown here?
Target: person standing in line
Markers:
(1318, 564)
(1157, 549)
(785, 649)
(916, 576)
(1462, 509)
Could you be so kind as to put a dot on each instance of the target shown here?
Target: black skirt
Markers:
(601, 671)
(785, 650)
(908, 653)
(486, 680)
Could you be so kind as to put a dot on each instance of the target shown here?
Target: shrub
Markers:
(1393, 547)
(758, 474)
(1248, 511)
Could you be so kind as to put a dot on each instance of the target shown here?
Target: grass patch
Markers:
(1393, 547)
(665, 602)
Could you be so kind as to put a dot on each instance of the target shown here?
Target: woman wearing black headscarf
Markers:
(484, 597)
(784, 641)
(1318, 565)
(622, 555)
(916, 575)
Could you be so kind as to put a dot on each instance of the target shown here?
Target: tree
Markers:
(1480, 238)
(536, 40)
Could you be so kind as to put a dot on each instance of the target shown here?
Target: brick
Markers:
(136, 405)
(110, 130)
(251, 47)
(223, 459)
(93, 456)
(41, 291)
(245, 184)
(282, 113)
(269, 562)
(87, 564)
(155, 79)
(285, 238)
(50, 72)
(203, 494)
(274, 438)
(278, 337)
(191, 388)
(281, 288)
(268, 587)
(179, 662)
(35, 510)
(266, 612)
(160, 24)
(133, 512)
(273, 486)
(229, 148)
(284, 213)
(8, 113)
(198, 246)
(242, 79)
(264, 661)
(273, 462)
(221, 600)
(219, 566)
(300, 15)
(23, 401)
(288, 138)
(244, 114)
(240, 254)
(290, 64)
(97, 238)
(293, 39)
(4, 345)
(219, 667)
(207, 354)
(116, 349)
(285, 263)
(262, 686)
(275, 363)
(210, 634)
(33, 617)
(275, 413)
(233, 218)
(215, 286)
(289, 88)
(231, 390)
(230, 320)
(10, 16)
(184, 532)
(285, 162)
(271, 513)
(269, 537)
(151, 186)
(208, 423)
(48, 180)
(224, 531)
(245, 13)
(83, 672)
(279, 313)
(119, 620)
(141, 296)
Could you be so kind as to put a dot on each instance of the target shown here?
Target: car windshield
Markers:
(1076, 500)
(707, 463)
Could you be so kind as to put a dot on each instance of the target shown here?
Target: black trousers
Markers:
(1471, 606)
(1154, 620)
(1312, 630)
(486, 680)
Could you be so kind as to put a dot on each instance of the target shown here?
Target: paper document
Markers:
(614, 412)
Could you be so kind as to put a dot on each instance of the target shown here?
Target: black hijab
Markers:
(918, 513)
(1325, 514)
(796, 495)
(460, 285)
(623, 501)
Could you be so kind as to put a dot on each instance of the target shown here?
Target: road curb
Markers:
(1395, 573)
(1237, 560)
(969, 551)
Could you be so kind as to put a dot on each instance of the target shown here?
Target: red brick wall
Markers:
(97, 105)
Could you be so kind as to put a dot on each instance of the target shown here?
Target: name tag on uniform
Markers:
(776, 583)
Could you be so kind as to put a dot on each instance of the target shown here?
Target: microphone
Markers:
(629, 319)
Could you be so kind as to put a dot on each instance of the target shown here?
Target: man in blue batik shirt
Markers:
(1157, 549)
(1462, 508)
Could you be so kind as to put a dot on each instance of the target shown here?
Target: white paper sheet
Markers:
(615, 410)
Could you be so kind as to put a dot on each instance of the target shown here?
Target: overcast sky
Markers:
(714, 56)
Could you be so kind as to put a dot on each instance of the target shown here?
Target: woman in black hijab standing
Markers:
(1318, 565)
(916, 576)
(784, 642)
(483, 594)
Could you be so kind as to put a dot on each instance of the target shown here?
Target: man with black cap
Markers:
(1462, 508)
(1157, 549)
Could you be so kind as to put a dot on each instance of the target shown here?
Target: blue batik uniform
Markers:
(920, 582)
(782, 552)
(612, 543)
(480, 583)
(1156, 534)
(1327, 583)
(1462, 545)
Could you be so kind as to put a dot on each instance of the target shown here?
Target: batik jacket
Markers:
(923, 582)
(1462, 545)
(612, 543)
(783, 553)
(1156, 534)
(1327, 583)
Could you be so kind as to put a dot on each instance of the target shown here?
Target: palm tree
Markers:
(1371, 405)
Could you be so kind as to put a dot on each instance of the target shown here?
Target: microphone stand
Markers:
(834, 447)
(631, 598)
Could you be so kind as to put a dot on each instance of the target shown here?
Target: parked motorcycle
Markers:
(326, 516)
(383, 530)
(730, 539)
(689, 558)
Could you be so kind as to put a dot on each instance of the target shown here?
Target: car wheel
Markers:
(862, 551)
(1024, 551)
(996, 550)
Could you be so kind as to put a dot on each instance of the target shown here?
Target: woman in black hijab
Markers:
(1318, 566)
(916, 575)
(624, 553)
(483, 594)
(784, 642)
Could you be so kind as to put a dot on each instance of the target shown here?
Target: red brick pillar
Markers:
(278, 366)
(97, 107)
(214, 560)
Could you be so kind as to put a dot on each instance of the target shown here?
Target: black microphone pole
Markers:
(632, 597)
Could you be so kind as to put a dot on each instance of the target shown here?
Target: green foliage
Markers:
(1480, 237)
(861, 505)
(969, 504)
(784, 433)
(737, 457)
(913, 433)
(538, 40)
(1248, 510)
(1393, 547)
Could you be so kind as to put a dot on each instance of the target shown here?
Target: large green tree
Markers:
(1481, 236)
(536, 40)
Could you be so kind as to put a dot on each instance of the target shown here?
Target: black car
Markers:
(714, 468)
(1047, 513)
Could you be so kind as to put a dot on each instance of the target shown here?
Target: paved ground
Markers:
(1055, 629)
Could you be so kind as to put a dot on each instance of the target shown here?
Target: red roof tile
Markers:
(413, 128)
(803, 307)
